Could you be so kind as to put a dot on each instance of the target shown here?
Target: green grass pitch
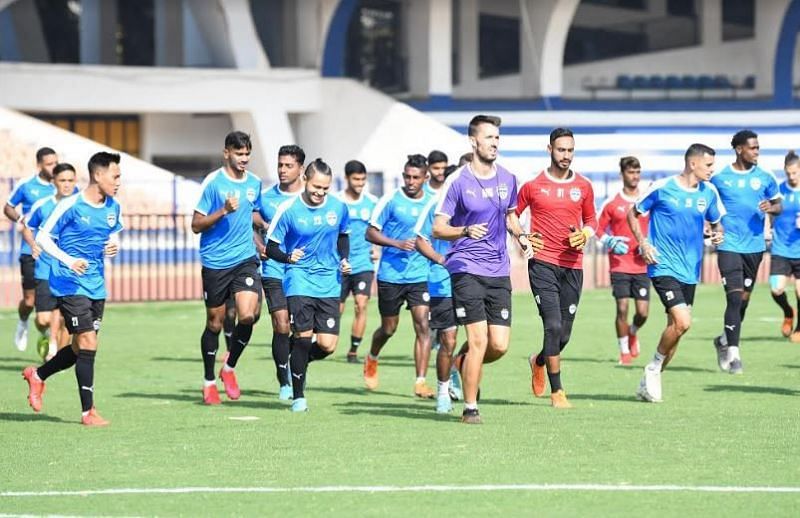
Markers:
(713, 429)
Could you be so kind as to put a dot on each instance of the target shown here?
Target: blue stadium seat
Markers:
(624, 82)
(721, 81)
(657, 82)
(689, 82)
(640, 82)
(749, 82)
(673, 82)
(705, 82)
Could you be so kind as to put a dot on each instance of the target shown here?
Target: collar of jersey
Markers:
(41, 182)
(626, 197)
(324, 202)
(684, 188)
(742, 173)
(406, 196)
(793, 189)
(234, 180)
(568, 179)
(494, 172)
(95, 205)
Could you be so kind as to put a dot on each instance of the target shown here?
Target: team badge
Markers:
(364, 214)
(111, 219)
(755, 184)
(572, 309)
(461, 313)
(504, 313)
(331, 322)
(248, 281)
(502, 191)
(748, 283)
(331, 218)
(575, 194)
(702, 204)
(642, 292)
(251, 195)
(353, 213)
(426, 296)
(362, 285)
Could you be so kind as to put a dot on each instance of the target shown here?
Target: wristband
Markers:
(465, 232)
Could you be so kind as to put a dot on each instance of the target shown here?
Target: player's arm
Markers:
(773, 206)
(44, 238)
(343, 248)
(11, 212)
(27, 235)
(424, 247)
(579, 236)
(646, 250)
(202, 222)
(529, 243)
(376, 237)
(442, 229)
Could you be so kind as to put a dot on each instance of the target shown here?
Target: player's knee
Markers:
(360, 307)
(552, 327)
(681, 324)
(28, 299)
(734, 299)
(566, 333)
(214, 326)
(498, 348)
(247, 319)
(42, 319)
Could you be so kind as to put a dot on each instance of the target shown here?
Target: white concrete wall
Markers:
(164, 134)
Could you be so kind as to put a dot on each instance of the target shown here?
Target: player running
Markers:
(629, 278)
(312, 228)
(48, 316)
(678, 207)
(80, 233)
(562, 214)
(360, 205)
(402, 272)
(290, 185)
(785, 250)
(748, 193)
(476, 212)
(26, 193)
(437, 165)
(224, 218)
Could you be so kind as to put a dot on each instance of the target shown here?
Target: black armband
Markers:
(343, 246)
(274, 252)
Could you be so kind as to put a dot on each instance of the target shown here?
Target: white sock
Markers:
(623, 345)
(657, 361)
(733, 353)
(227, 368)
(36, 375)
(373, 357)
(470, 406)
(444, 388)
(723, 339)
(632, 329)
(420, 379)
(52, 349)
(207, 383)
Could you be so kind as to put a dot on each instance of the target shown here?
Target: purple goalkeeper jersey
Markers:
(469, 200)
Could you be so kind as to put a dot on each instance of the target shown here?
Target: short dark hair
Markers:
(465, 158)
(629, 162)
(43, 152)
(101, 160)
(741, 137)
(452, 168)
(482, 119)
(318, 166)
(353, 167)
(416, 160)
(293, 151)
(560, 132)
(436, 156)
(790, 158)
(238, 140)
(60, 168)
(697, 149)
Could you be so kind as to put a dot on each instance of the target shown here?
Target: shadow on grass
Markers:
(746, 338)
(585, 359)
(171, 359)
(749, 389)
(603, 397)
(14, 359)
(686, 368)
(195, 397)
(402, 410)
(28, 417)
(353, 391)
(11, 368)
(790, 366)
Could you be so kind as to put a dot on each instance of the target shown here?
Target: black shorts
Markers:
(784, 266)
(738, 271)
(358, 284)
(27, 265)
(273, 292)
(555, 288)
(81, 314)
(391, 297)
(45, 301)
(630, 286)
(320, 315)
(673, 292)
(442, 315)
(477, 298)
(220, 285)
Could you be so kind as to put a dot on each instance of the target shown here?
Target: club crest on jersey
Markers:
(353, 212)
(111, 219)
(251, 195)
(575, 194)
(755, 184)
(331, 218)
(502, 191)
(701, 204)
(364, 214)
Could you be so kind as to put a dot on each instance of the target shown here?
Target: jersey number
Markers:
(75, 321)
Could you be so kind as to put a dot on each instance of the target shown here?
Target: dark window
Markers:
(374, 46)
(585, 44)
(268, 16)
(499, 45)
(681, 7)
(738, 19)
(456, 43)
(61, 27)
(135, 33)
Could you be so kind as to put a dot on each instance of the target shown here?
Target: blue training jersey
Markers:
(430, 191)
(27, 192)
(271, 199)
(395, 216)
(315, 229)
(741, 192)
(360, 212)
(81, 230)
(439, 277)
(230, 240)
(35, 220)
(677, 214)
(786, 225)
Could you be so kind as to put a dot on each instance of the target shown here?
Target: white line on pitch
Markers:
(409, 489)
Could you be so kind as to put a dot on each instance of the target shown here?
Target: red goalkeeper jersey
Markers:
(614, 221)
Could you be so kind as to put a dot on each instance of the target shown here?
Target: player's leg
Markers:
(45, 304)
(390, 300)
(326, 327)
(472, 367)
(619, 290)
(280, 344)
(216, 290)
(418, 300)
(245, 287)
(228, 324)
(26, 303)
(795, 336)
(360, 303)
(85, 337)
(731, 269)
(545, 284)
(444, 360)
(301, 310)
(750, 265)
(640, 292)
(779, 270)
